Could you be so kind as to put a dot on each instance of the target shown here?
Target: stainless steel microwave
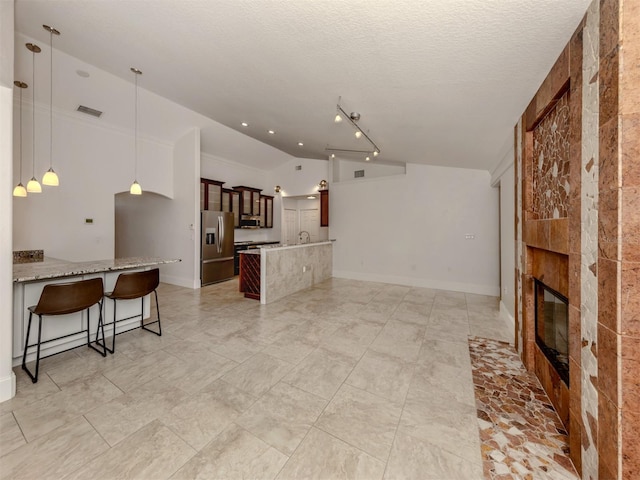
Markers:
(249, 222)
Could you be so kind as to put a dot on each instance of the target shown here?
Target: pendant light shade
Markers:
(135, 189)
(33, 186)
(50, 177)
(20, 191)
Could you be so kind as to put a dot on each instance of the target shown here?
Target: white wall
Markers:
(503, 176)
(180, 220)
(300, 182)
(94, 162)
(344, 169)
(507, 244)
(7, 377)
(410, 229)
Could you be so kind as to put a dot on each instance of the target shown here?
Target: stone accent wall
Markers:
(551, 163)
(589, 243)
(603, 236)
(519, 244)
(550, 209)
(619, 241)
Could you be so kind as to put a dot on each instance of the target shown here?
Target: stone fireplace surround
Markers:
(592, 253)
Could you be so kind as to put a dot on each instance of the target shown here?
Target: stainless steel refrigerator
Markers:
(216, 252)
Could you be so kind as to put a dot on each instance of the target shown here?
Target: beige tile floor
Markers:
(345, 380)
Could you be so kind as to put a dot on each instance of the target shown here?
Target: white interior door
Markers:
(290, 226)
(310, 222)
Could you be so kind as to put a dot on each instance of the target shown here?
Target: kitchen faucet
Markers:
(300, 236)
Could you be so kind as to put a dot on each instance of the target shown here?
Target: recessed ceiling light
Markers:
(244, 124)
(311, 197)
(300, 144)
(271, 132)
(358, 134)
(82, 73)
(367, 159)
(376, 153)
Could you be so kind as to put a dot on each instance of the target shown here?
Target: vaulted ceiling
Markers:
(438, 82)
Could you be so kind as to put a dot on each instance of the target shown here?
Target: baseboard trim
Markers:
(8, 387)
(493, 291)
(179, 281)
(504, 313)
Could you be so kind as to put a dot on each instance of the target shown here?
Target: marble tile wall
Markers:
(589, 246)
(284, 269)
(551, 163)
(629, 338)
(519, 341)
(603, 236)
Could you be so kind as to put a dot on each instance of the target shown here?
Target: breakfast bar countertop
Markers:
(56, 268)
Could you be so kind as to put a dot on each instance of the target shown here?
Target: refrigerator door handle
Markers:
(220, 234)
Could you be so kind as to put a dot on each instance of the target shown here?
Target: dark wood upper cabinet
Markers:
(324, 208)
(249, 200)
(266, 211)
(210, 194)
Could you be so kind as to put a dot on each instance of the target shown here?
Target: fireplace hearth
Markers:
(552, 328)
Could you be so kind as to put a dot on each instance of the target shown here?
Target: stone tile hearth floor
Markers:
(520, 433)
(348, 379)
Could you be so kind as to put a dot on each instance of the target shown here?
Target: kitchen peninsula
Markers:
(272, 272)
(31, 275)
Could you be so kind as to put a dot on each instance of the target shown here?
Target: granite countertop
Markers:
(56, 268)
(253, 251)
(284, 246)
(252, 242)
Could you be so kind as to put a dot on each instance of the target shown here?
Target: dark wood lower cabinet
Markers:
(250, 275)
(324, 208)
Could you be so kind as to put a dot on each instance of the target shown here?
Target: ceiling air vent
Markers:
(358, 173)
(298, 167)
(89, 111)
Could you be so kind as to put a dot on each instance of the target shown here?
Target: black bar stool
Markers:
(130, 286)
(62, 299)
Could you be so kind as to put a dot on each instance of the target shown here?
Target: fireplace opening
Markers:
(552, 328)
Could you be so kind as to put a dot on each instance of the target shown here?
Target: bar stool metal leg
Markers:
(144, 326)
(100, 327)
(33, 378)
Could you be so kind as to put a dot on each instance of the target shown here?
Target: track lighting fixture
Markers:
(353, 118)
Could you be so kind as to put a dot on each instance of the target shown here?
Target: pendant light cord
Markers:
(33, 109)
(51, 102)
(135, 128)
(21, 134)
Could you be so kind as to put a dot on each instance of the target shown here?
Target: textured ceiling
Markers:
(437, 82)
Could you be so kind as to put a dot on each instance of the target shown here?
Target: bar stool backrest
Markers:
(63, 298)
(136, 284)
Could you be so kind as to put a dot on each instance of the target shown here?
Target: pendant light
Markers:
(20, 191)
(50, 177)
(33, 186)
(136, 189)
